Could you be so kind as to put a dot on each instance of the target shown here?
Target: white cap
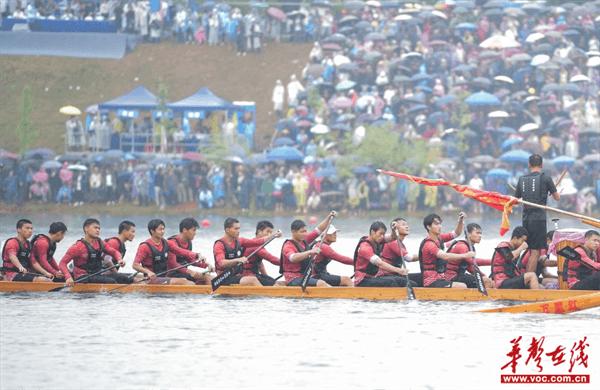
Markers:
(332, 229)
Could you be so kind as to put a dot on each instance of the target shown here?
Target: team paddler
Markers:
(585, 273)
(325, 256)
(505, 272)
(183, 241)
(544, 276)
(433, 259)
(369, 268)
(42, 251)
(229, 250)
(16, 254)
(254, 272)
(88, 254)
(126, 233)
(394, 251)
(153, 254)
(297, 252)
(463, 271)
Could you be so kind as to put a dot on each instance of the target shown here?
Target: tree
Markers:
(26, 134)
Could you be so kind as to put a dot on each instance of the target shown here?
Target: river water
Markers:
(137, 341)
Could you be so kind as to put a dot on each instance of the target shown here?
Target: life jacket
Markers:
(180, 259)
(370, 269)
(507, 267)
(459, 268)
(159, 258)
(51, 244)
(94, 260)
(580, 270)
(437, 265)
(294, 267)
(23, 255)
(321, 266)
(397, 261)
(122, 248)
(531, 189)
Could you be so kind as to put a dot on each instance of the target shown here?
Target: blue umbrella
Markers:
(283, 141)
(345, 85)
(482, 99)
(285, 153)
(39, 154)
(51, 164)
(505, 130)
(562, 162)
(446, 99)
(257, 159)
(510, 142)
(326, 172)
(515, 157)
(362, 170)
(340, 126)
(466, 26)
(498, 173)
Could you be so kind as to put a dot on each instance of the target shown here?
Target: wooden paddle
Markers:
(410, 292)
(557, 306)
(311, 259)
(223, 277)
(83, 278)
(478, 278)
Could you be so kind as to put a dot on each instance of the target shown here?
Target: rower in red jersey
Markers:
(42, 251)
(394, 251)
(254, 272)
(433, 259)
(87, 255)
(544, 276)
(326, 255)
(16, 254)
(152, 256)
(369, 267)
(297, 251)
(585, 273)
(126, 233)
(463, 270)
(505, 272)
(229, 250)
(183, 241)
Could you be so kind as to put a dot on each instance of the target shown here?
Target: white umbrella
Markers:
(499, 42)
(374, 3)
(340, 60)
(403, 17)
(579, 77)
(504, 79)
(540, 59)
(536, 36)
(498, 114)
(319, 129)
(70, 110)
(77, 167)
(592, 62)
(528, 127)
(439, 14)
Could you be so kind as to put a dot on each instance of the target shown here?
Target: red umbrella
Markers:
(276, 13)
(192, 156)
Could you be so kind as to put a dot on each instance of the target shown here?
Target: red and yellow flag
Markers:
(492, 199)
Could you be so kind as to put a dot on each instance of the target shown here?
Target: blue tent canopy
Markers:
(137, 99)
(202, 100)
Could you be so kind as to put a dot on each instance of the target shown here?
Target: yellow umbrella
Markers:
(70, 110)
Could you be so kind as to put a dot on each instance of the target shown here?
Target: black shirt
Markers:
(534, 187)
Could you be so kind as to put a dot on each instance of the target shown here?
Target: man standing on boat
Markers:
(505, 272)
(433, 259)
(88, 254)
(152, 256)
(42, 251)
(297, 252)
(183, 242)
(370, 270)
(325, 256)
(16, 255)
(254, 272)
(463, 270)
(534, 187)
(585, 274)
(229, 250)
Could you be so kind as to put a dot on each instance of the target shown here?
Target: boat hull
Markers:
(369, 293)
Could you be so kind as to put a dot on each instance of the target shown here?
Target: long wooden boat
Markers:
(370, 293)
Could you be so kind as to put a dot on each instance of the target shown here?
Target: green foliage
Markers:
(26, 134)
(384, 148)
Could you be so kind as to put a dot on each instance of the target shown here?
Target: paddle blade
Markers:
(58, 289)
(410, 292)
(226, 276)
(569, 253)
(479, 281)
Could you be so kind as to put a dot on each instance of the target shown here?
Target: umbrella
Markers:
(349, 19)
(284, 153)
(326, 172)
(341, 126)
(578, 78)
(540, 59)
(39, 154)
(70, 110)
(499, 42)
(340, 60)
(591, 158)
(40, 176)
(51, 164)
(285, 124)
(77, 167)
(592, 62)
(362, 170)
(257, 159)
(444, 100)
(504, 130)
(192, 156)
(482, 159)
(142, 167)
(520, 57)
(276, 13)
(466, 26)
(482, 99)
(320, 129)
(510, 142)
(498, 173)
(562, 162)
(481, 82)
(536, 36)
(331, 47)
(345, 85)
(5, 154)
(284, 141)
(374, 36)
(515, 157)
(504, 79)
(234, 159)
(528, 127)
(341, 102)
(498, 114)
